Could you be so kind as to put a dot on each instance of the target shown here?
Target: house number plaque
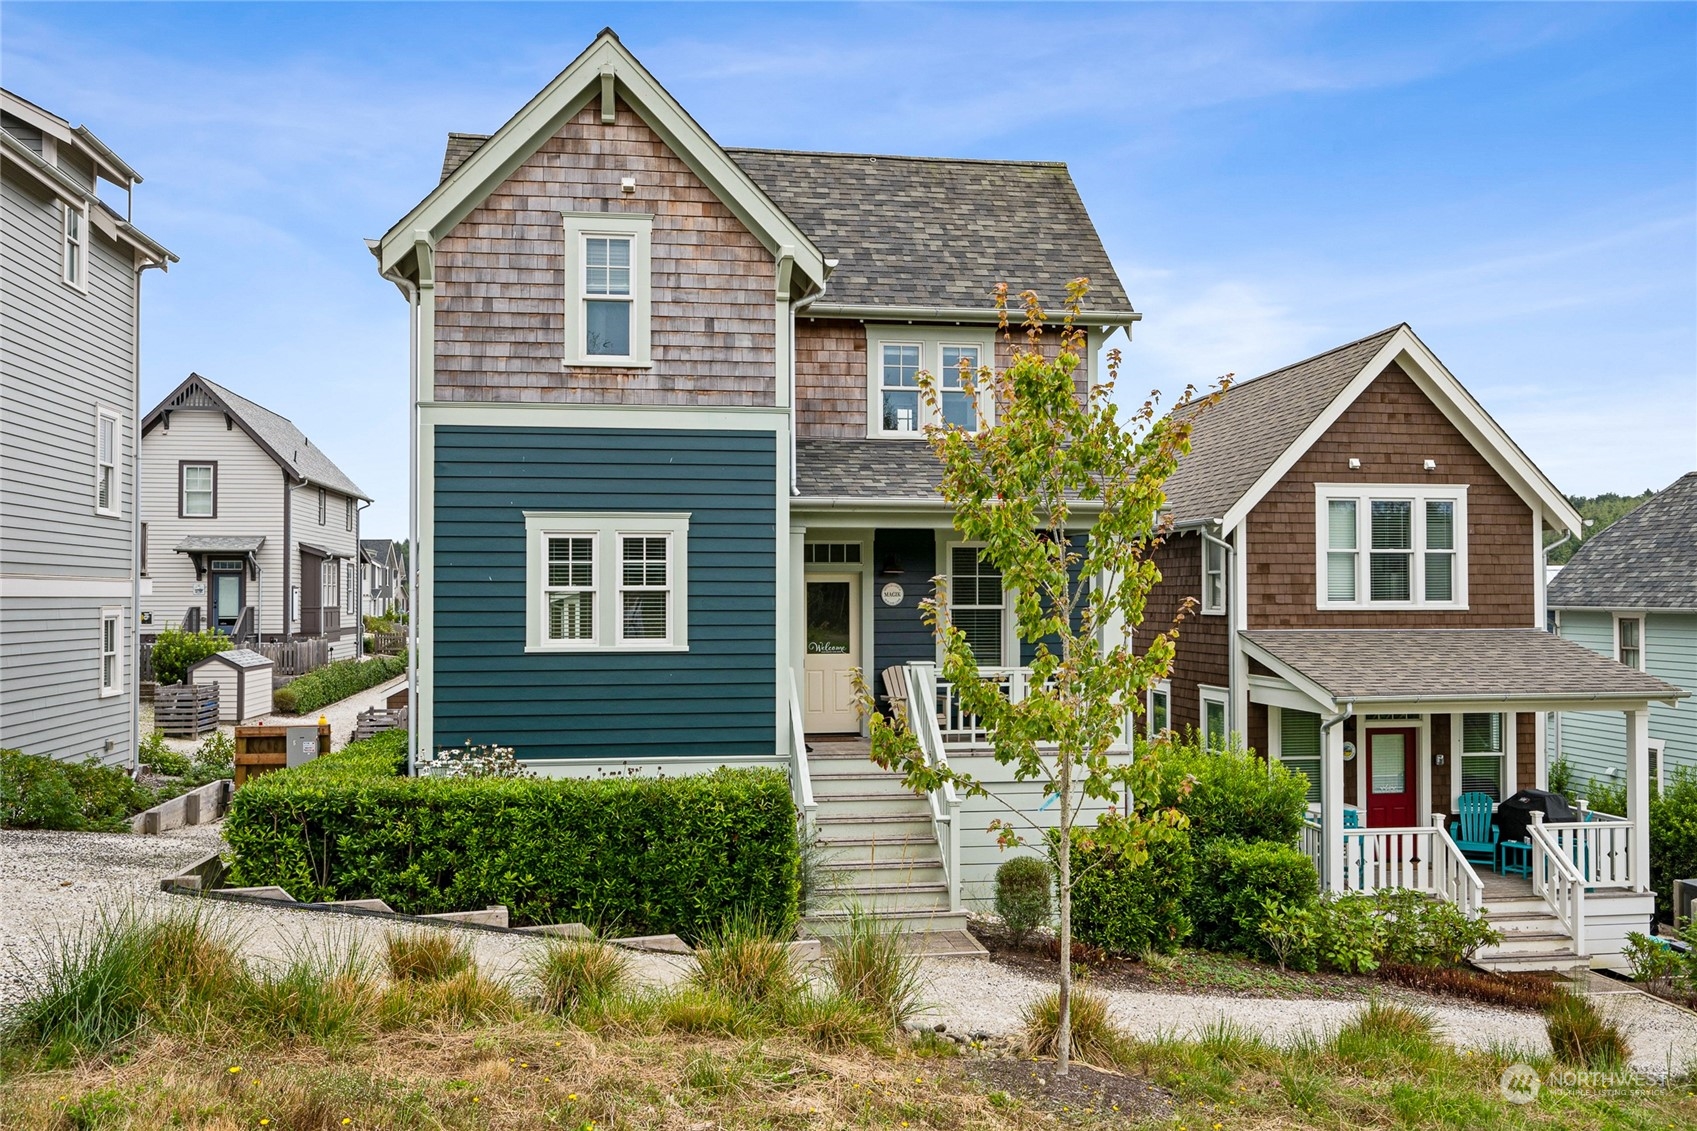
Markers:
(891, 594)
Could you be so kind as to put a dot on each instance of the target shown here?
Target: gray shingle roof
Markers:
(236, 658)
(220, 544)
(1647, 559)
(868, 469)
(287, 444)
(1234, 441)
(1489, 664)
(927, 231)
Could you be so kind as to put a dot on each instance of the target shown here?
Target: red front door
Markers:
(1390, 779)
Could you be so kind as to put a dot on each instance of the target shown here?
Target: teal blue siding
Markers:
(717, 699)
(899, 635)
(1594, 742)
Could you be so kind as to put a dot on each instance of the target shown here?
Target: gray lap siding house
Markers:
(70, 281)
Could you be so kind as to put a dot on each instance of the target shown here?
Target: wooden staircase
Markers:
(1533, 938)
(877, 850)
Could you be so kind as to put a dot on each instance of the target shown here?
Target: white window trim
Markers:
(1218, 608)
(1658, 749)
(930, 343)
(348, 506)
(605, 527)
(116, 687)
(1276, 745)
(1162, 687)
(1506, 783)
(1209, 693)
(1010, 614)
(638, 226)
(115, 500)
(1363, 494)
(1614, 627)
(80, 281)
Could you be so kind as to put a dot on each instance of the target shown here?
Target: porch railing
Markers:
(1313, 843)
(1600, 849)
(1559, 881)
(801, 776)
(923, 687)
(959, 727)
(1417, 858)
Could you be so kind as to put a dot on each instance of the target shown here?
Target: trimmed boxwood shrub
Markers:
(333, 682)
(1228, 906)
(1233, 793)
(1130, 910)
(635, 855)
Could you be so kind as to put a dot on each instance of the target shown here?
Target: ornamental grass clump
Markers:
(1387, 1033)
(743, 961)
(580, 973)
(1095, 1040)
(871, 963)
(425, 955)
(1582, 1037)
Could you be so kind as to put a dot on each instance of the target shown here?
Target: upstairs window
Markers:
(901, 387)
(1629, 642)
(348, 509)
(1391, 546)
(959, 406)
(106, 463)
(322, 500)
(896, 355)
(601, 581)
(75, 261)
(1213, 578)
(607, 282)
(977, 603)
(198, 491)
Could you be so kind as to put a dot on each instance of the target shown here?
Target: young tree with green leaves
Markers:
(1053, 464)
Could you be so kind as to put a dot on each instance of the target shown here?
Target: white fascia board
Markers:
(1290, 675)
(964, 315)
(532, 415)
(540, 118)
(66, 189)
(1451, 399)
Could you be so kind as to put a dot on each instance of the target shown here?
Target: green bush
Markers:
(1130, 910)
(1227, 907)
(1359, 932)
(1022, 894)
(645, 855)
(1673, 829)
(161, 759)
(1233, 794)
(176, 651)
(334, 682)
(43, 793)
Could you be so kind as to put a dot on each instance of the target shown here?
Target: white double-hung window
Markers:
(1388, 545)
(978, 604)
(75, 261)
(1482, 754)
(608, 278)
(599, 581)
(111, 652)
(106, 462)
(955, 358)
(1213, 578)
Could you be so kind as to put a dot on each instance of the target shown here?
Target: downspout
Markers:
(135, 521)
(359, 582)
(411, 292)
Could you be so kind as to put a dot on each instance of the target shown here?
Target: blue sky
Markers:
(1519, 182)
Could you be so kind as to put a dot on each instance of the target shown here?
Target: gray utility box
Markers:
(302, 745)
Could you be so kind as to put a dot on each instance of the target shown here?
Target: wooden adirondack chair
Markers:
(1473, 831)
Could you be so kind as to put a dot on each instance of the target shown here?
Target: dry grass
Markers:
(575, 974)
(1095, 1040)
(425, 955)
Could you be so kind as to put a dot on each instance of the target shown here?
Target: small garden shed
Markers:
(243, 677)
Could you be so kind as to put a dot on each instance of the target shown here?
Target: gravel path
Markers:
(977, 995)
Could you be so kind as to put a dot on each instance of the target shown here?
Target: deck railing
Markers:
(923, 687)
(1313, 843)
(1416, 858)
(801, 776)
(958, 727)
(1600, 848)
(1559, 881)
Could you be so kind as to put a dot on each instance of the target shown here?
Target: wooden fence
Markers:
(388, 643)
(186, 710)
(295, 657)
(376, 720)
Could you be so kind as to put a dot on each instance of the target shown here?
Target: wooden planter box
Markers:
(262, 749)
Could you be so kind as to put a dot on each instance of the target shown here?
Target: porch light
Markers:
(892, 566)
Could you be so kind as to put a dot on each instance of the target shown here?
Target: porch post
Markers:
(1331, 806)
(1638, 795)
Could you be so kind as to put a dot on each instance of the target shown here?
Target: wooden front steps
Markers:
(1534, 939)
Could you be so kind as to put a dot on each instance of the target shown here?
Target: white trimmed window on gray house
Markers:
(322, 507)
(75, 262)
(598, 581)
(1390, 545)
(106, 492)
(608, 288)
(348, 512)
(199, 490)
(111, 656)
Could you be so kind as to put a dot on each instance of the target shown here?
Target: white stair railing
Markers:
(922, 693)
(1313, 843)
(1559, 882)
(1377, 859)
(801, 778)
(1600, 849)
(1452, 873)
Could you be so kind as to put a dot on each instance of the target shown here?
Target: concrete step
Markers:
(829, 787)
(828, 924)
(1529, 943)
(1562, 962)
(889, 893)
(885, 871)
(880, 854)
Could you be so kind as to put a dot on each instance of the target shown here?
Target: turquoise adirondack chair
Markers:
(1473, 831)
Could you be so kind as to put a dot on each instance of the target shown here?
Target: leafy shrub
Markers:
(1359, 933)
(1673, 836)
(215, 757)
(161, 759)
(334, 682)
(1351, 933)
(176, 651)
(1227, 909)
(1022, 894)
(1232, 794)
(649, 855)
(1292, 934)
(1561, 778)
(870, 963)
(43, 793)
(1095, 1040)
(1581, 1037)
(1129, 910)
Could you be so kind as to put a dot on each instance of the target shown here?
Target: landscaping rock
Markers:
(561, 930)
(659, 944)
(806, 950)
(495, 915)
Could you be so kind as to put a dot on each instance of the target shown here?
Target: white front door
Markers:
(833, 652)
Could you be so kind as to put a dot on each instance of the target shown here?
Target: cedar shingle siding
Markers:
(1203, 649)
(500, 294)
(1391, 428)
(830, 379)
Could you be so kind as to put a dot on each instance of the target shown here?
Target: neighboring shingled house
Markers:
(1630, 592)
(247, 526)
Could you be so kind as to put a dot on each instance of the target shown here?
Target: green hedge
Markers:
(1233, 794)
(1228, 906)
(640, 856)
(333, 682)
(175, 651)
(1130, 910)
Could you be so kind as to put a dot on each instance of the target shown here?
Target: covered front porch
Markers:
(1417, 736)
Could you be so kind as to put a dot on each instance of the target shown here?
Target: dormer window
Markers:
(607, 288)
(897, 354)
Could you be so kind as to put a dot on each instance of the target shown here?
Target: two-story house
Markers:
(1365, 547)
(70, 326)
(248, 526)
(1630, 592)
(383, 586)
(672, 478)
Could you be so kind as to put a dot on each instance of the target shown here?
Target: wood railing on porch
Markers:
(958, 727)
(1600, 849)
(801, 775)
(1559, 881)
(1416, 858)
(923, 687)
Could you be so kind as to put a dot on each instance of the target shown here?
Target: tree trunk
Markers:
(1063, 1031)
